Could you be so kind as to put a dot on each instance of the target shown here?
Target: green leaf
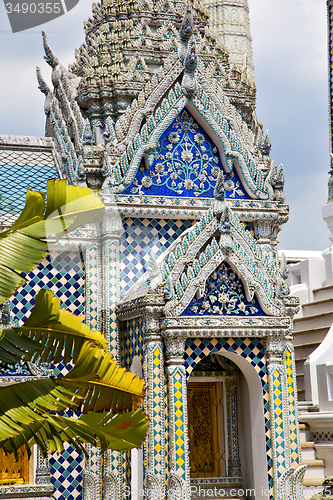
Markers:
(21, 248)
(102, 384)
(46, 332)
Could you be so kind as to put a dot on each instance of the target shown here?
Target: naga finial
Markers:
(191, 60)
(219, 190)
(189, 82)
(41, 82)
(49, 56)
(186, 31)
(186, 28)
(266, 145)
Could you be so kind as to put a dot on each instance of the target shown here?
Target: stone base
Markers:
(216, 488)
(27, 492)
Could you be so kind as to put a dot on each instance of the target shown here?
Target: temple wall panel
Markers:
(140, 237)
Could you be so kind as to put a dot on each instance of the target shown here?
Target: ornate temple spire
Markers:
(230, 19)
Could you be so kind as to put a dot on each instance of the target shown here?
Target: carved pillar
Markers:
(43, 475)
(114, 462)
(92, 484)
(179, 476)
(274, 348)
(111, 233)
(234, 463)
(154, 448)
(93, 280)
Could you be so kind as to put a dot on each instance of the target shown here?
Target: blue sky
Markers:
(290, 57)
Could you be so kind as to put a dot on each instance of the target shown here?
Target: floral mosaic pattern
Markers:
(186, 163)
(224, 295)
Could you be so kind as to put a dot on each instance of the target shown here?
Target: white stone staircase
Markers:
(311, 329)
(315, 472)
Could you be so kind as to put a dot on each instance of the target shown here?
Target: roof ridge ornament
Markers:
(186, 31)
(42, 85)
(189, 83)
(49, 56)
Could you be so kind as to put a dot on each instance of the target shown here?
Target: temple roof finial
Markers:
(49, 56)
(41, 82)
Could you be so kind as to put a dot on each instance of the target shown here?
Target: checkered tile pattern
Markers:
(140, 237)
(67, 474)
(111, 269)
(63, 273)
(127, 469)
(250, 349)
(93, 292)
(278, 433)
(179, 445)
(94, 459)
(133, 342)
(167, 457)
(291, 407)
(158, 391)
(20, 171)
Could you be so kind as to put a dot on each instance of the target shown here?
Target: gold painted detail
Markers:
(203, 424)
(12, 471)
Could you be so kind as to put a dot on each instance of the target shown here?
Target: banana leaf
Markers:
(122, 432)
(22, 246)
(96, 386)
(50, 334)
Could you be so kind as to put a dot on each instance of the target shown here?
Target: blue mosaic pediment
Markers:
(224, 295)
(186, 163)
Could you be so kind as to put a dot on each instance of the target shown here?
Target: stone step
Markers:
(307, 444)
(308, 454)
(312, 334)
(303, 351)
(314, 463)
(305, 434)
(301, 394)
(323, 293)
(300, 381)
(317, 307)
(315, 472)
(314, 321)
(313, 481)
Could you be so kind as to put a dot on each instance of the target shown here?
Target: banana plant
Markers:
(105, 398)
(24, 244)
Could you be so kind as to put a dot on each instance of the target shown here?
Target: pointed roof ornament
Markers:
(41, 82)
(219, 194)
(189, 82)
(186, 31)
(266, 145)
(49, 56)
(219, 191)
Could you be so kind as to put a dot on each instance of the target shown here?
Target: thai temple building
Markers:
(184, 276)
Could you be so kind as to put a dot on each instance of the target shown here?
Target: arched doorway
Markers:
(241, 390)
(214, 458)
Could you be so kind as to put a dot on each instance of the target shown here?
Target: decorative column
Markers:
(91, 246)
(43, 475)
(114, 463)
(234, 463)
(179, 475)
(154, 448)
(274, 347)
(291, 405)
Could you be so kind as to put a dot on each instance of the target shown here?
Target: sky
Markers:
(290, 58)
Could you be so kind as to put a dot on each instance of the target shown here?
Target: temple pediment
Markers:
(216, 245)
